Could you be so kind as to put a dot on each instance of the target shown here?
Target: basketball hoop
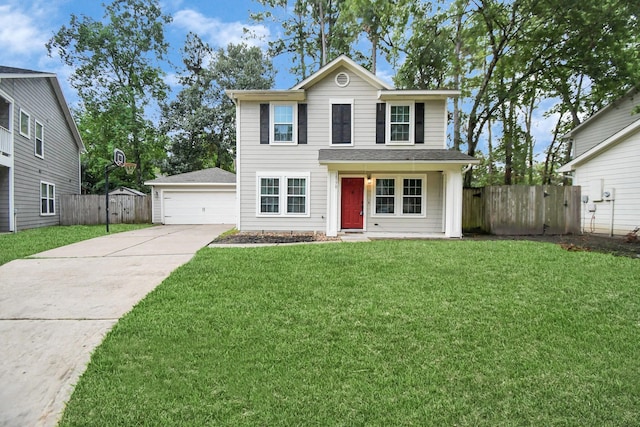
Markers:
(129, 167)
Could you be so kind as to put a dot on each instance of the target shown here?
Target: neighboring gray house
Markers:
(342, 151)
(606, 164)
(207, 196)
(39, 149)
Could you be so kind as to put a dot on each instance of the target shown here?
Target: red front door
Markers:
(352, 202)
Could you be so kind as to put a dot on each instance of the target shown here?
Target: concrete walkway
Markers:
(57, 306)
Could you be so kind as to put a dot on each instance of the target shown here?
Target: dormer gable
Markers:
(348, 64)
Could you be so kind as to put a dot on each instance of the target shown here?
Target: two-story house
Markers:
(342, 151)
(606, 164)
(39, 149)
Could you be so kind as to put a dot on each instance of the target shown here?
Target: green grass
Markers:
(388, 333)
(28, 242)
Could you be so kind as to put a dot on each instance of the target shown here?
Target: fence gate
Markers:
(520, 210)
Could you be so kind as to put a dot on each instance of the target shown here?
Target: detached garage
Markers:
(202, 197)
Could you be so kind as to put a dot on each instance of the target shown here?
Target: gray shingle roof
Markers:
(205, 176)
(13, 70)
(393, 155)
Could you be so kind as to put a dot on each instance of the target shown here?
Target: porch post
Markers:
(332, 203)
(453, 203)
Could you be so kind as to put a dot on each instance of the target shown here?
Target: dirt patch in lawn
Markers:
(619, 246)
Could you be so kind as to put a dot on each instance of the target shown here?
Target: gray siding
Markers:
(608, 122)
(60, 165)
(4, 199)
(432, 223)
(254, 157)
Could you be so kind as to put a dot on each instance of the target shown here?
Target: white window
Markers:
(39, 147)
(400, 195)
(47, 198)
(400, 123)
(283, 129)
(283, 194)
(385, 196)
(25, 124)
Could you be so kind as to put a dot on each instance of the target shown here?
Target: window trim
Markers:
(48, 185)
(272, 122)
(412, 113)
(399, 195)
(28, 116)
(35, 145)
(341, 101)
(283, 195)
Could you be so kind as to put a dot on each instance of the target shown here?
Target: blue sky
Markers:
(26, 25)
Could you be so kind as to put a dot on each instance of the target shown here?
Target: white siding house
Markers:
(342, 151)
(40, 149)
(606, 165)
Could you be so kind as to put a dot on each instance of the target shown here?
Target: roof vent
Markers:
(342, 79)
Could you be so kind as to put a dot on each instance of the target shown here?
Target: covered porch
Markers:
(394, 193)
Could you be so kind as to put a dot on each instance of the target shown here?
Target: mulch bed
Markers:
(618, 246)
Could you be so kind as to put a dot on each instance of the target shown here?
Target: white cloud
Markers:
(218, 33)
(19, 34)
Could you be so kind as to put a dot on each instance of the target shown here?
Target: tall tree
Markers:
(117, 75)
(200, 121)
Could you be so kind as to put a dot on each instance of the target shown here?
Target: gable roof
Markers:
(343, 61)
(125, 190)
(614, 139)
(586, 123)
(298, 92)
(201, 177)
(21, 73)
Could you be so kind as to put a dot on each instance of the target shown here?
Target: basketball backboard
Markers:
(119, 159)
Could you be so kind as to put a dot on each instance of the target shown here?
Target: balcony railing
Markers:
(6, 145)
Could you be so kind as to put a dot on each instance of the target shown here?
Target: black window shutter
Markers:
(302, 123)
(419, 128)
(264, 123)
(341, 123)
(381, 109)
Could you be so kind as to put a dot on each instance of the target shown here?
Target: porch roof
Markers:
(394, 155)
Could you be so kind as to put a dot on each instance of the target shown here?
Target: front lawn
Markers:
(387, 333)
(29, 242)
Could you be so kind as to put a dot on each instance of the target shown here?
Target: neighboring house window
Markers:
(341, 121)
(39, 148)
(47, 198)
(400, 195)
(25, 124)
(282, 123)
(400, 123)
(283, 194)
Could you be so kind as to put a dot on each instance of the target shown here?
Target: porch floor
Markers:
(367, 236)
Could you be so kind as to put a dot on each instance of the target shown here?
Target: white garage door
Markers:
(200, 207)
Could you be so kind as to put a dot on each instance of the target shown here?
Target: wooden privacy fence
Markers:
(520, 210)
(90, 209)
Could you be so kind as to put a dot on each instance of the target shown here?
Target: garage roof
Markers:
(205, 176)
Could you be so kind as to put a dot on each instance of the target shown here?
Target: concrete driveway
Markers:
(57, 306)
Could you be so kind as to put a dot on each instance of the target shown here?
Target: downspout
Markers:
(467, 168)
